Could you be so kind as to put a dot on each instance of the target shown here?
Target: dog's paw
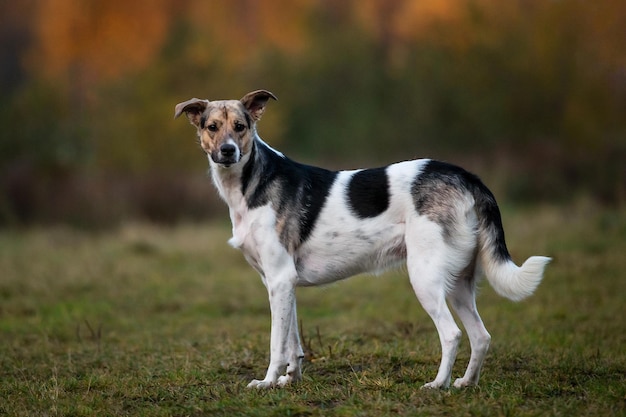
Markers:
(292, 376)
(284, 380)
(462, 383)
(434, 385)
(255, 383)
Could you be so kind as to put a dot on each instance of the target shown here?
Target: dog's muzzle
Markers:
(227, 155)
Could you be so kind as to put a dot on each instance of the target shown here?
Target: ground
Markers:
(148, 320)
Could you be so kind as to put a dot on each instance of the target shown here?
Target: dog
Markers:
(300, 225)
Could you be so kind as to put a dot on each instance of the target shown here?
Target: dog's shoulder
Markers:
(295, 191)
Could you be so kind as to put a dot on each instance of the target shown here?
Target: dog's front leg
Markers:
(282, 296)
(295, 352)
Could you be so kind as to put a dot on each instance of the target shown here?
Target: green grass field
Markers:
(147, 320)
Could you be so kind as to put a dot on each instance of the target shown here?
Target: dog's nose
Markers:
(228, 150)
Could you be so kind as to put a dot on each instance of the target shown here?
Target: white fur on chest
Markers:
(250, 227)
(254, 233)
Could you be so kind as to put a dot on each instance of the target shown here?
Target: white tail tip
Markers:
(517, 283)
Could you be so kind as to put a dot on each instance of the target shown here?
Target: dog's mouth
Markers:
(225, 164)
(225, 161)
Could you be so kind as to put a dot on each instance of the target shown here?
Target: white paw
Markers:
(434, 385)
(462, 383)
(255, 383)
(284, 380)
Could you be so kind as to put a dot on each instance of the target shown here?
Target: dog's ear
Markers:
(193, 109)
(255, 102)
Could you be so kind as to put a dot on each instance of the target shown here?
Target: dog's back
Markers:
(338, 224)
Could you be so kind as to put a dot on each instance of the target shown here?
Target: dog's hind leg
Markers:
(433, 300)
(463, 300)
(429, 274)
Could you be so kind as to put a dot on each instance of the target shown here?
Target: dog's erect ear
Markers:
(193, 108)
(255, 102)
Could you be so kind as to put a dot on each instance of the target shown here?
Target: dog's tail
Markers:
(506, 278)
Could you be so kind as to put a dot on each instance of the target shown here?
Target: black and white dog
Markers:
(300, 225)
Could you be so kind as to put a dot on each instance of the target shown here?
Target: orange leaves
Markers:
(408, 19)
(97, 40)
(103, 39)
(243, 27)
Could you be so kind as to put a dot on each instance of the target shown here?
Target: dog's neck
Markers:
(228, 180)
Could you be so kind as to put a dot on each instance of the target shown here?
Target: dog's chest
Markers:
(255, 235)
(244, 236)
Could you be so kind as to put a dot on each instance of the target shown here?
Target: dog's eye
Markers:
(239, 127)
(212, 127)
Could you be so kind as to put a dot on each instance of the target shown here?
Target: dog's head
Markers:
(226, 128)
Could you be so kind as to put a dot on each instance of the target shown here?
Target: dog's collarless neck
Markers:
(248, 170)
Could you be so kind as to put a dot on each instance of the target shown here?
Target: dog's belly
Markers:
(341, 254)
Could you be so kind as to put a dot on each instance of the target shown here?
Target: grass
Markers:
(170, 321)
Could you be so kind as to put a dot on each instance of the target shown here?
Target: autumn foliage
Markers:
(530, 94)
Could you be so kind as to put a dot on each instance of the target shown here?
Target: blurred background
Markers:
(528, 94)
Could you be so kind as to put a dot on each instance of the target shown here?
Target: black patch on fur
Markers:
(298, 191)
(368, 192)
(246, 174)
(435, 190)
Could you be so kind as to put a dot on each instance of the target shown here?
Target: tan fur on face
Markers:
(225, 115)
(216, 121)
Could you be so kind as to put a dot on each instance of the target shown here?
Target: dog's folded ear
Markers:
(255, 102)
(193, 109)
